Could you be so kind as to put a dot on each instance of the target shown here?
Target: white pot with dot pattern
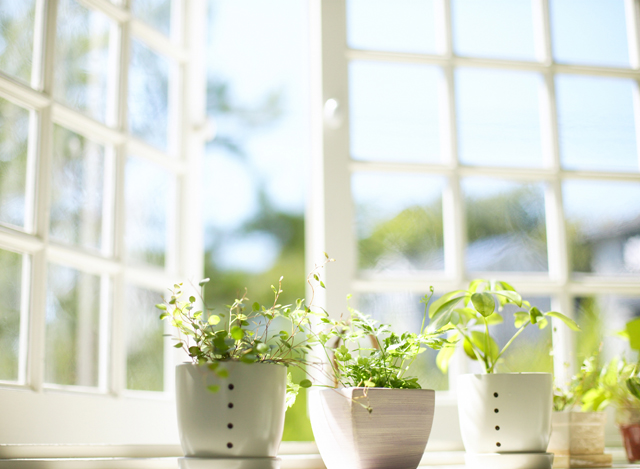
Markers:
(503, 414)
(240, 424)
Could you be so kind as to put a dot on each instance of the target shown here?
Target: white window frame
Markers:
(33, 413)
(331, 212)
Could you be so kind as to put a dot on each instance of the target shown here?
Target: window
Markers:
(101, 109)
(480, 139)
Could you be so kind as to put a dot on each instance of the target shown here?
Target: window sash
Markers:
(330, 215)
(115, 415)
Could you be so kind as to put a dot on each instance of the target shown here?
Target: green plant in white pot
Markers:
(232, 396)
(505, 418)
(578, 426)
(376, 416)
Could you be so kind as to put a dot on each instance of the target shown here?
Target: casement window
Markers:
(101, 110)
(458, 139)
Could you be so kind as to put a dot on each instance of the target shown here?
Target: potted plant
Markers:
(505, 418)
(619, 385)
(375, 416)
(578, 427)
(231, 397)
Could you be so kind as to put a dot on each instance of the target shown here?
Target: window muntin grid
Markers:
(102, 257)
(546, 172)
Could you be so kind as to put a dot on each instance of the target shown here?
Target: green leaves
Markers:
(632, 329)
(484, 303)
(203, 282)
(571, 324)
(213, 320)
(161, 306)
(237, 333)
(305, 383)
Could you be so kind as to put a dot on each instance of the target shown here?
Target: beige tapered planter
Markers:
(392, 436)
(577, 439)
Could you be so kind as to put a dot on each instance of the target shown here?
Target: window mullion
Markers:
(117, 353)
(632, 14)
(35, 360)
(557, 245)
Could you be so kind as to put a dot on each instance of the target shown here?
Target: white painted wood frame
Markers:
(330, 219)
(35, 413)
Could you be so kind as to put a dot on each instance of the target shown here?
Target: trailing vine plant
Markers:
(246, 332)
(369, 354)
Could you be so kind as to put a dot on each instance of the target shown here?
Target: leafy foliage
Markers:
(368, 354)
(247, 332)
(581, 383)
(471, 312)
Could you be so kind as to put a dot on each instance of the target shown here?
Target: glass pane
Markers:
(398, 26)
(146, 188)
(72, 340)
(82, 59)
(498, 117)
(500, 29)
(10, 291)
(17, 23)
(77, 187)
(145, 341)
(602, 226)
(14, 139)
(600, 317)
(404, 312)
(596, 123)
(398, 222)
(157, 13)
(148, 95)
(531, 351)
(259, 155)
(394, 112)
(505, 226)
(590, 32)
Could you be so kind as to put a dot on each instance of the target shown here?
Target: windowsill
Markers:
(165, 457)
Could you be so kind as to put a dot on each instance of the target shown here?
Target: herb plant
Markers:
(368, 354)
(470, 313)
(246, 332)
(581, 383)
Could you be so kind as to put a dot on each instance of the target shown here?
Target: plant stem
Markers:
(474, 348)
(508, 344)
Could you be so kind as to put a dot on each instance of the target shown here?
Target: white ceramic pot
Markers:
(243, 419)
(505, 412)
(393, 436)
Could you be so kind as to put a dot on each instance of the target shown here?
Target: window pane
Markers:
(394, 112)
(500, 29)
(10, 291)
(398, 222)
(82, 59)
(590, 32)
(72, 340)
(156, 13)
(600, 317)
(603, 227)
(146, 188)
(596, 123)
(77, 187)
(498, 117)
(148, 95)
(17, 22)
(531, 351)
(398, 26)
(505, 226)
(145, 341)
(404, 312)
(14, 137)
